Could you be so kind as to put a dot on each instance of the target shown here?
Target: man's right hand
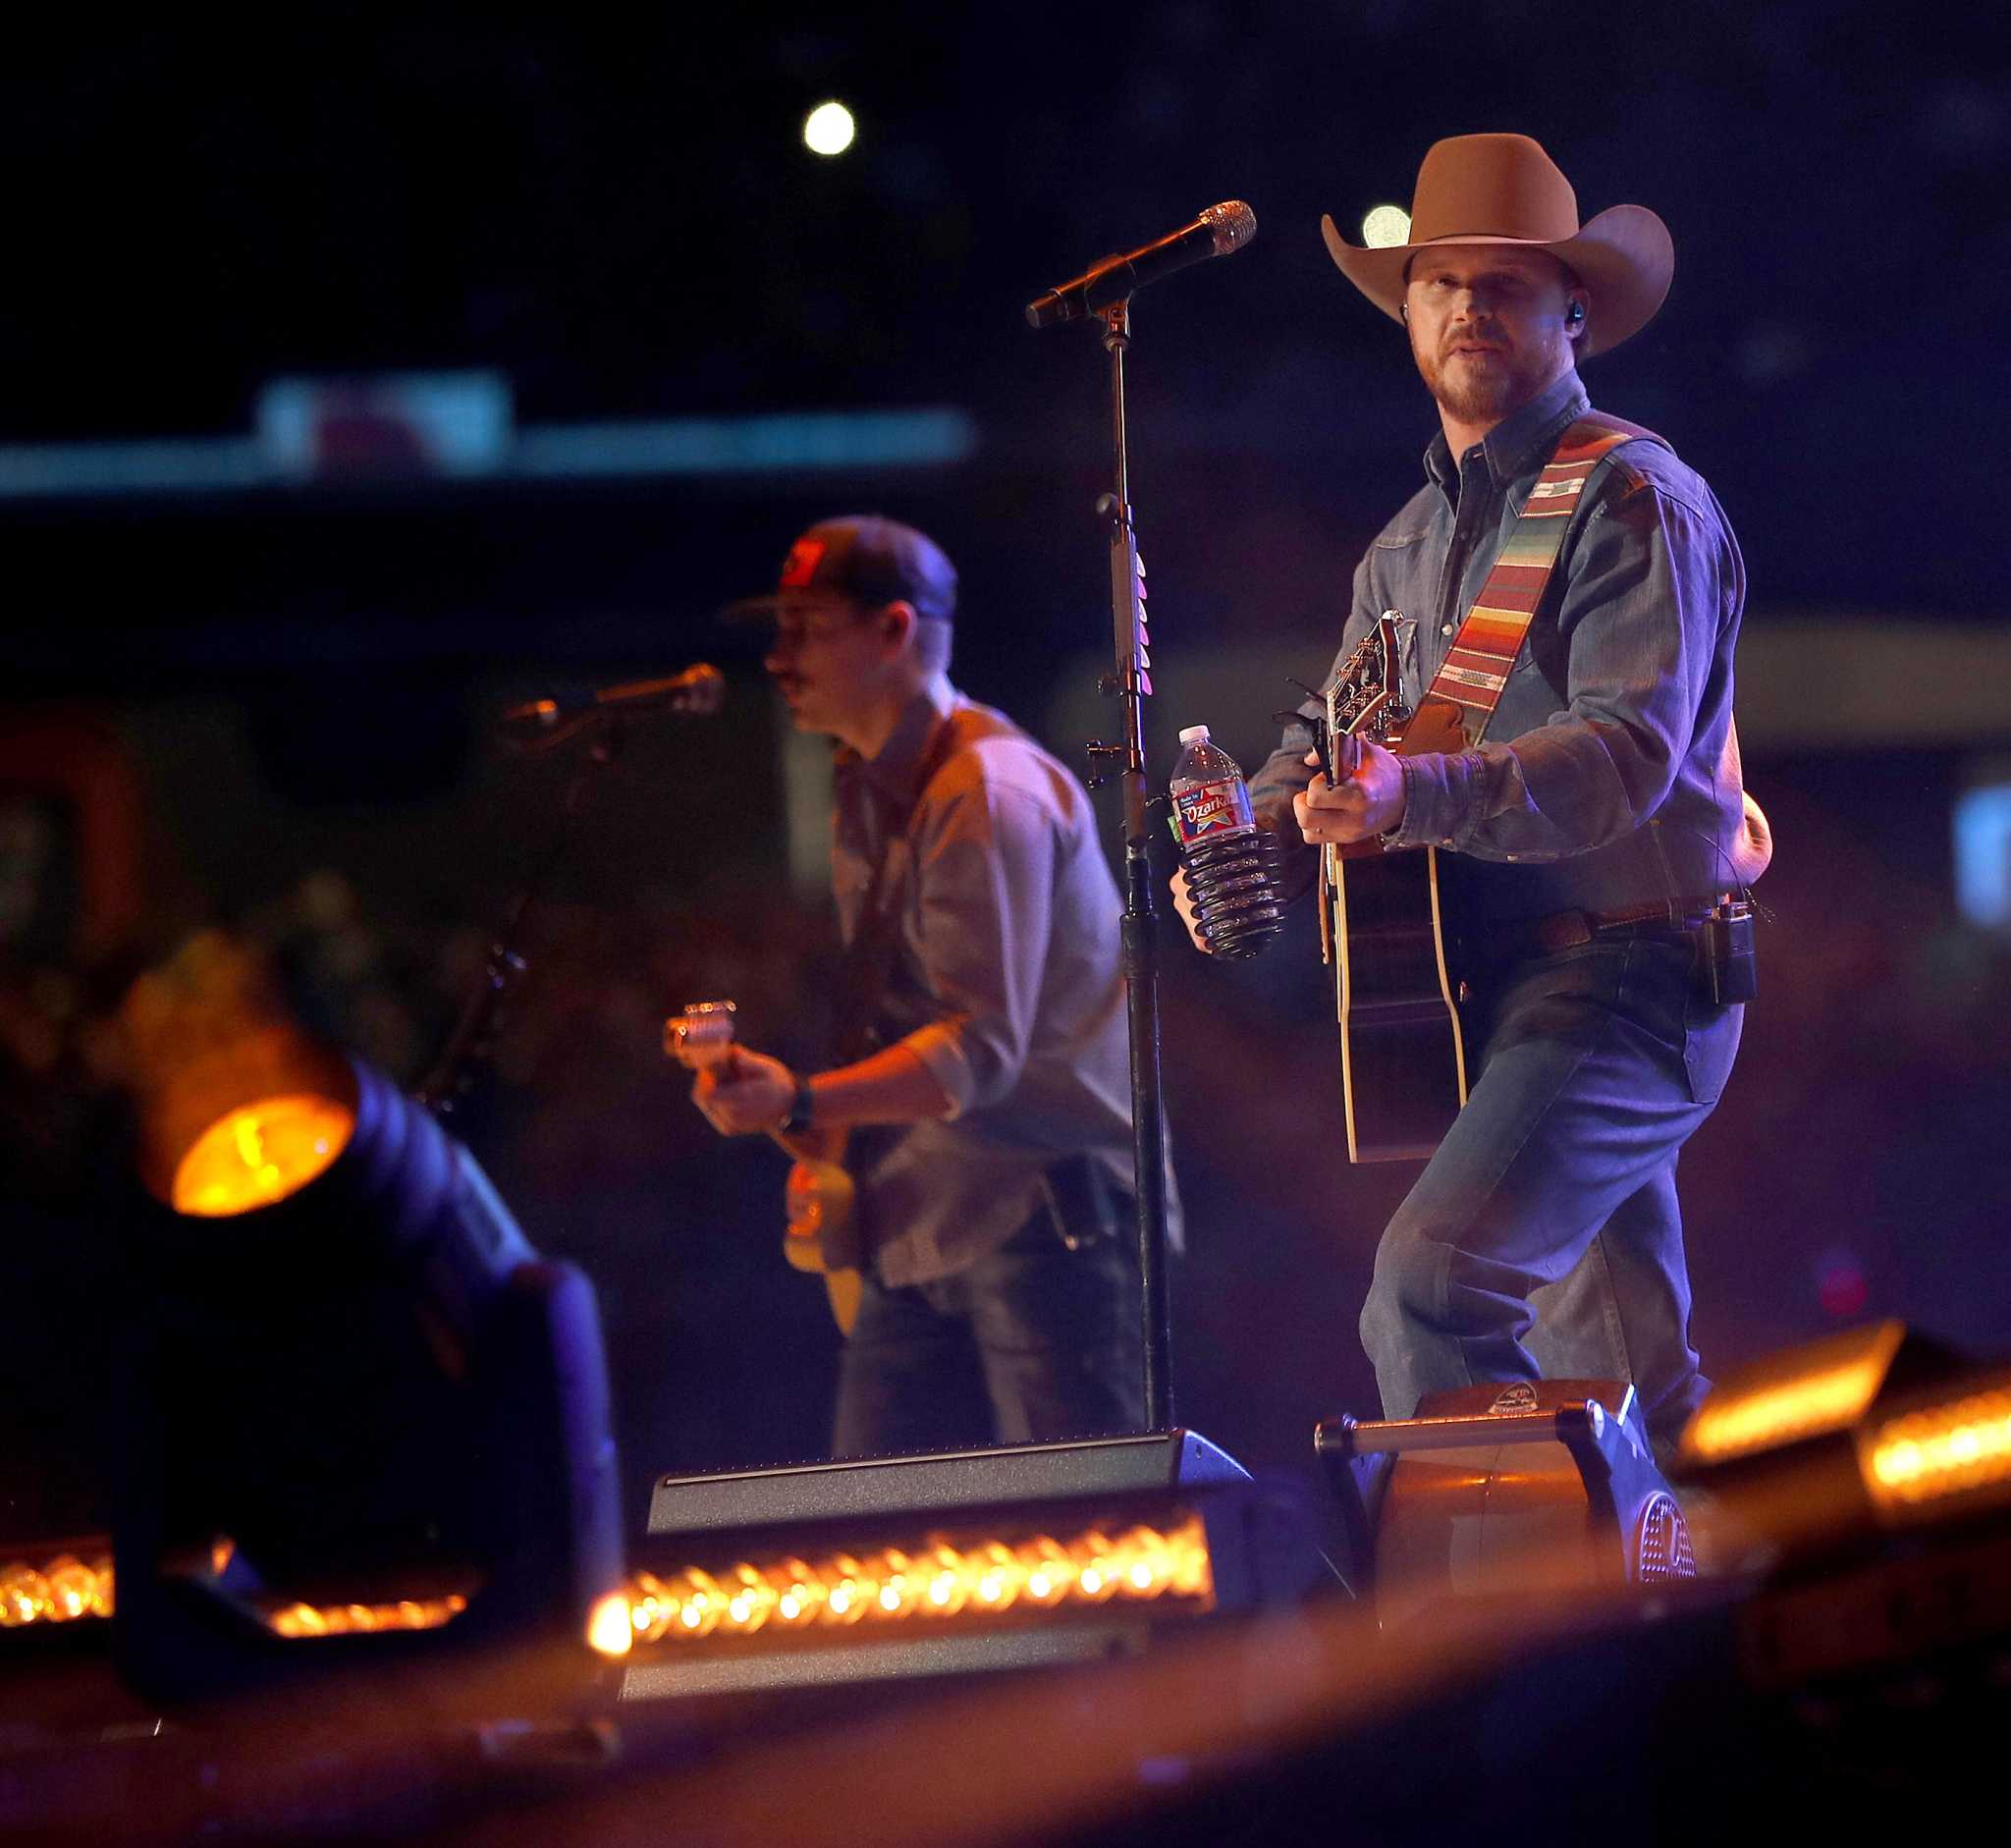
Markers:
(1184, 902)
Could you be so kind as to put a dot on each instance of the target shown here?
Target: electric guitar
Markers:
(1402, 1053)
(819, 1198)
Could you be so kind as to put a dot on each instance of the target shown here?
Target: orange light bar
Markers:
(944, 1581)
(1952, 1449)
(260, 1154)
(409, 1613)
(1824, 1386)
(62, 1590)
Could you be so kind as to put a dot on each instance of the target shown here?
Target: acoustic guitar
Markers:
(1402, 1052)
(819, 1198)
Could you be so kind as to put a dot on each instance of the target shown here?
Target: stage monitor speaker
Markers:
(951, 1563)
(1504, 1490)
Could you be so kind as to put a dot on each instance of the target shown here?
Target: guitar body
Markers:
(1402, 1053)
(1402, 1050)
(821, 1202)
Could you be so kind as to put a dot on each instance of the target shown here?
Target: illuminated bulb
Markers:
(1385, 226)
(753, 1598)
(950, 1580)
(651, 1608)
(1047, 1573)
(1145, 1562)
(299, 1620)
(798, 1594)
(260, 1154)
(24, 1594)
(851, 1594)
(1096, 1572)
(1193, 1576)
(610, 1628)
(1000, 1576)
(72, 1585)
(700, 1599)
(901, 1585)
(828, 129)
(103, 1586)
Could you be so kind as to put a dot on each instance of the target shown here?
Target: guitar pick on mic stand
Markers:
(1103, 292)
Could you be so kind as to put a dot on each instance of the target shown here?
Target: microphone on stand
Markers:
(695, 693)
(1217, 232)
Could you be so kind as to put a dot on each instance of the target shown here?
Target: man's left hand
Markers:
(1366, 803)
(748, 1094)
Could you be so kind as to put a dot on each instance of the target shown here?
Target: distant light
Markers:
(1983, 856)
(1385, 226)
(828, 129)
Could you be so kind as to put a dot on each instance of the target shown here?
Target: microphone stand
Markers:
(1129, 683)
(473, 1038)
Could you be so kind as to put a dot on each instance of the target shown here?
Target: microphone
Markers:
(693, 694)
(1217, 232)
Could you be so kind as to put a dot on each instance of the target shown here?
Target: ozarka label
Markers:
(1219, 806)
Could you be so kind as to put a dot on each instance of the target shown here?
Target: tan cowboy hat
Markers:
(1504, 188)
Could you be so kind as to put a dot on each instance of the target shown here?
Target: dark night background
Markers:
(280, 692)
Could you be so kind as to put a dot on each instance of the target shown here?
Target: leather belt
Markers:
(1572, 930)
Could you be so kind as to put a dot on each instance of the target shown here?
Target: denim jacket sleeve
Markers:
(1652, 588)
(1286, 772)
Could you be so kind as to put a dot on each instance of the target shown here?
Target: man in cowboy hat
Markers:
(1594, 819)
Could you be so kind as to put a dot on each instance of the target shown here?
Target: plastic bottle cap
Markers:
(1193, 735)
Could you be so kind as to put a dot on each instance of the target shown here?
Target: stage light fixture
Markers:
(356, 1411)
(949, 1563)
(1821, 1447)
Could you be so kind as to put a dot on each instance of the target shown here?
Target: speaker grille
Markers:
(1663, 1542)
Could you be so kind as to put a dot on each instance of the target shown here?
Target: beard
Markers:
(1487, 391)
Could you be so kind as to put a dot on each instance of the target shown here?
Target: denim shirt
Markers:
(1608, 775)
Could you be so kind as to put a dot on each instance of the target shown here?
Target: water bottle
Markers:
(1232, 864)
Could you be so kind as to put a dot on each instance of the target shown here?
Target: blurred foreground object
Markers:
(1849, 1443)
(353, 1406)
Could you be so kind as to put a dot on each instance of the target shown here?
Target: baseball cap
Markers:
(865, 556)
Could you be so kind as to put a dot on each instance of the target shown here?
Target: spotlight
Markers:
(1385, 226)
(828, 129)
(356, 1413)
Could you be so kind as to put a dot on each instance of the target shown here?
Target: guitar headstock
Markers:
(702, 1035)
(1366, 699)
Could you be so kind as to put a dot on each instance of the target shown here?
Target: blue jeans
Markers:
(1544, 1237)
(1037, 1339)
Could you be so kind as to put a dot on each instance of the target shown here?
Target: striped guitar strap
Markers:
(1476, 667)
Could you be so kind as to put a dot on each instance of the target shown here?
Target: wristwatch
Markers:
(801, 1109)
